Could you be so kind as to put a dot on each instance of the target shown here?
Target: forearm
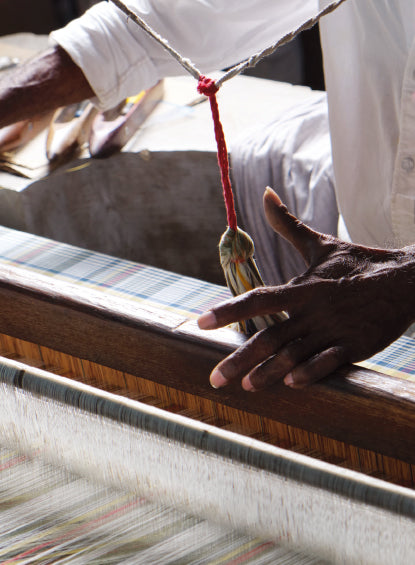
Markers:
(42, 84)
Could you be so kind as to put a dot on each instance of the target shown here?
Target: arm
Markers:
(104, 55)
(42, 84)
(119, 59)
(351, 302)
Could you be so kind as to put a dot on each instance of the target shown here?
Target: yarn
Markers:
(208, 87)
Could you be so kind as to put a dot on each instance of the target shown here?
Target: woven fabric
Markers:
(49, 516)
(143, 284)
(397, 360)
(126, 279)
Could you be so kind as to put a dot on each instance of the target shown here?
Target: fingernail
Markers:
(217, 380)
(274, 195)
(207, 321)
(289, 381)
(247, 385)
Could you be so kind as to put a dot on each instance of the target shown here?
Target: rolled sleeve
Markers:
(119, 59)
(115, 64)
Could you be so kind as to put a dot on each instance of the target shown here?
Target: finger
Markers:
(309, 243)
(258, 302)
(316, 368)
(278, 366)
(257, 349)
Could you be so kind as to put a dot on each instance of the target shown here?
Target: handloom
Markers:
(129, 331)
(143, 417)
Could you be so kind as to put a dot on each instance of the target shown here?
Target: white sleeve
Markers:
(119, 59)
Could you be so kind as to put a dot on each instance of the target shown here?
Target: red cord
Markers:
(208, 87)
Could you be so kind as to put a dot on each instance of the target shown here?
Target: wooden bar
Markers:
(356, 407)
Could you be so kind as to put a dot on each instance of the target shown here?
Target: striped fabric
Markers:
(140, 283)
(133, 281)
(397, 360)
(49, 516)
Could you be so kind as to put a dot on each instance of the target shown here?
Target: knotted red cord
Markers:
(208, 87)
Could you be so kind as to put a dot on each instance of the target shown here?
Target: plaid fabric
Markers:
(397, 360)
(140, 283)
(133, 281)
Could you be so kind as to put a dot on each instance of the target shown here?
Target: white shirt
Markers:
(369, 63)
(369, 59)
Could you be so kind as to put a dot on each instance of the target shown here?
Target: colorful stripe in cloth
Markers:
(397, 360)
(133, 281)
(50, 516)
(126, 279)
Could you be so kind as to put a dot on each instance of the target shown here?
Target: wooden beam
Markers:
(354, 405)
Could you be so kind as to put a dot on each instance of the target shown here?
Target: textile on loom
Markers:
(143, 284)
(50, 516)
(138, 286)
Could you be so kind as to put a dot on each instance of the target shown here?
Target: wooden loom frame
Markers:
(355, 406)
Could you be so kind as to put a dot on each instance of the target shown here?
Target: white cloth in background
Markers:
(292, 154)
(369, 59)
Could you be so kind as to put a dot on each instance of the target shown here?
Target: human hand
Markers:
(350, 303)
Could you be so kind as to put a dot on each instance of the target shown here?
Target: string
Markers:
(183, 61)
(255, 59)
(240, 67)
(209, 88)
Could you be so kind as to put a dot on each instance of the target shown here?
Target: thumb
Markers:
(309, 243)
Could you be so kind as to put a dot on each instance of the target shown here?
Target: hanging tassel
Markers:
(236, 251)
(236, 248)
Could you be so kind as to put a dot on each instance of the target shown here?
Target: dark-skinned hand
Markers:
(350, 303)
